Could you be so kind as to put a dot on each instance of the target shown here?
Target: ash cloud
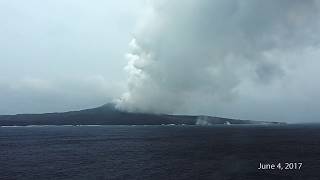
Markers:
(245, 59)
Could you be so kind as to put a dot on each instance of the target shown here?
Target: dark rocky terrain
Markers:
(109, 115)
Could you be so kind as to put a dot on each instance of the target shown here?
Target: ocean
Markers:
(221, 152)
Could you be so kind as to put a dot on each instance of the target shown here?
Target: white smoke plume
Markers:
(234, 58)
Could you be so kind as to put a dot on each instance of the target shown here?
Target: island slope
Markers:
(109, 115)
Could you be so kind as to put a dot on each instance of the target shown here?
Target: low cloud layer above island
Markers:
(242, 59)
(39, 95)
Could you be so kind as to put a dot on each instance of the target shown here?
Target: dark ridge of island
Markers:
(109, 115)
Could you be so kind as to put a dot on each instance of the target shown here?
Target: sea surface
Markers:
(219, 152)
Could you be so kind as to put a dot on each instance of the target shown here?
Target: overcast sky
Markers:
(58, 55)
(241, 59)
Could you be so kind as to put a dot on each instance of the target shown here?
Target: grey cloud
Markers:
(202, 56)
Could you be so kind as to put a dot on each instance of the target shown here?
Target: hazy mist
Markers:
(241, 59)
